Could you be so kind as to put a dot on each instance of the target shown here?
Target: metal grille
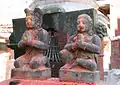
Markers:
(52, 53)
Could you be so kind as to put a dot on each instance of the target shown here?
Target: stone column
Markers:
(100, 62)
(100, 67)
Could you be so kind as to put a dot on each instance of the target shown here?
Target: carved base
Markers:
(42, 73)
(78, 74)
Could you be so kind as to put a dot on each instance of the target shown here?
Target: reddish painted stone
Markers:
(78, 74)
(100, 67)
(51, 81)
(42, 73)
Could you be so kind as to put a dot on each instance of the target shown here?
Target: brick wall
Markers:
(115, 54)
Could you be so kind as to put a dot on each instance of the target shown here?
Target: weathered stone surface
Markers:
(42, 73)
(78, 74)
(113, 77)
(50, 81)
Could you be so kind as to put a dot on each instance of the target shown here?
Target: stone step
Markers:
(42, 73)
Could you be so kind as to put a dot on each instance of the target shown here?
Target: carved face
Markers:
(81, 24)
(84, 23)
(29, 21)
(33, 19)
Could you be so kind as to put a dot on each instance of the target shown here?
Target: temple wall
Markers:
(6, 64)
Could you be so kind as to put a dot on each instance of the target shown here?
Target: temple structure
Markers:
(43, 59)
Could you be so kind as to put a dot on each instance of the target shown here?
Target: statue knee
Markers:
(16, 64)
(87, 64)
(92, 66)
(66, 55)
(62, 52)
(62, 55)
(34, 64)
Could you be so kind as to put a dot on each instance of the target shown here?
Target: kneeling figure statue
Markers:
(35, 39)
(82, 48)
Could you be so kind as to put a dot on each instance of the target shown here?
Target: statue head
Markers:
(33, 18)
(85, 23)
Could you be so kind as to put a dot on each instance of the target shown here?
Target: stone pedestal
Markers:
(42, 73)
(79, 74)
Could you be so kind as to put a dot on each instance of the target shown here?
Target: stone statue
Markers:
(82, 48)
(35, 40)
